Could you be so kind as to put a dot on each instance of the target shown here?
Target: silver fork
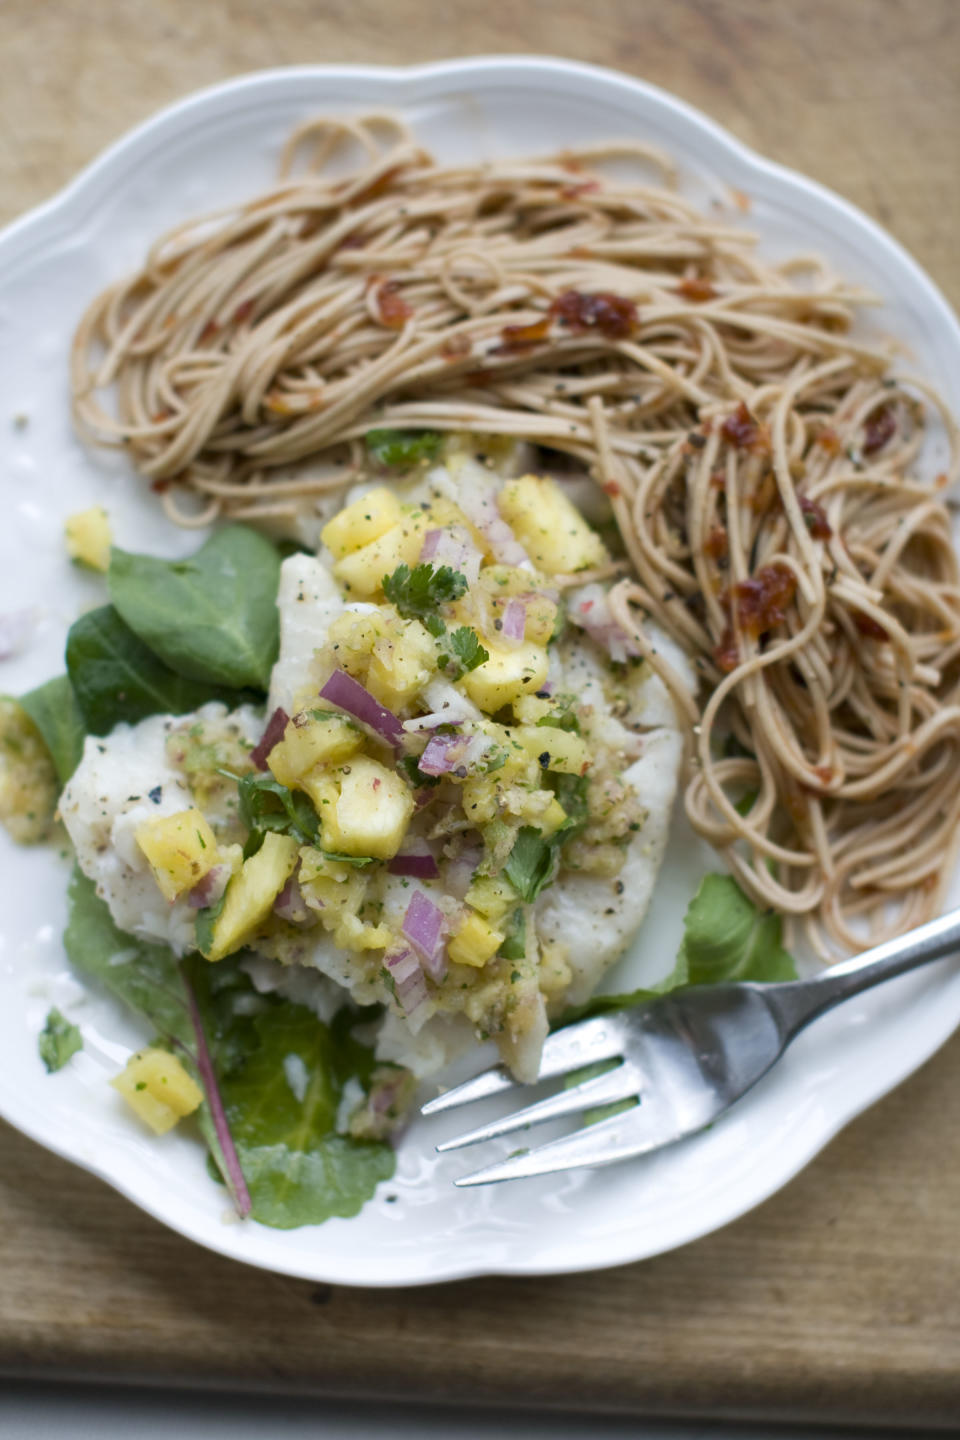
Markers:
(686, 1057)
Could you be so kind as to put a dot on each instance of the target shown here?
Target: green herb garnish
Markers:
(58, 1041)
(419, 593)
(402, 449)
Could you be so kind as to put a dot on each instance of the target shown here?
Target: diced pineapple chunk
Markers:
(312, 739)
(474, 942)
(554, 749)
(28, 782)
(158, 1088)
(552, 818)
(88, 538)
(336, 891)
(361, 573)
(369, 517)
(552, 530)
(492, 895)
(367, 812)
(179, 848)
(250, 895)
(541, 619)
(403, 661)
(531, 708)
(507, 675)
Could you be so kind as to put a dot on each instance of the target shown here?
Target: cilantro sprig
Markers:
(419, 593)
(535, 858)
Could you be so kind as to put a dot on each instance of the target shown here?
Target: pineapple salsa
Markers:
(441, 828)
(459, 802)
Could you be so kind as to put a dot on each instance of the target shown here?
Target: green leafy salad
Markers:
(379, 777)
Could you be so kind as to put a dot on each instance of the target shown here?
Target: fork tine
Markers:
(619, 1138)
(618, 1084)
(583, 1044)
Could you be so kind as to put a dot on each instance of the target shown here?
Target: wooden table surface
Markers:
(840, 1297)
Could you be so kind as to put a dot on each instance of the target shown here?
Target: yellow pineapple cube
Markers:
(367, 809)
(492, 896)
(250, 895)
(311, 739)
(554, 749)
(506, 676)
(403, 661)
(365, 520)
(474, 941)
(552, 818)
(88, 538)
(361, 573)
(158, 1088)
(528, 709)
(179, 848)
(551, 529)
(28, 781)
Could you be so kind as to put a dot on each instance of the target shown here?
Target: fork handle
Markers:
(797, 1002)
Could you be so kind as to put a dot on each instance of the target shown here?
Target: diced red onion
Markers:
(442, 754)
(410, 986)
(386, 1093)
(514, 620)
(273, 734)
(415, 859)
(589, 609)
(478, 501)
(453, 546)
(349, 695)
(208, 890)
(425, 925)
(290, 904)
(15, 630)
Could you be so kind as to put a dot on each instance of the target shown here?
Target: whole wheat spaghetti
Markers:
(761, 462)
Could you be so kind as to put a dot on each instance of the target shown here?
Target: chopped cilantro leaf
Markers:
(401, 449)
(58, 1041)
(419, 593)
(465, 644)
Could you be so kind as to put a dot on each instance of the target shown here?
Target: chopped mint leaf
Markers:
(402, 449)
(419, 593)
(58, 1041)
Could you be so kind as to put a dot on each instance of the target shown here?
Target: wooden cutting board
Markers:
(840, 1297)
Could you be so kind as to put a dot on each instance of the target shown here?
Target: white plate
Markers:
(221, 146)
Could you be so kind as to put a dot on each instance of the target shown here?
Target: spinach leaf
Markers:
(282, 1105)
(419, 593)
(280, 1073)
(58, 1041)
(116, 677)
(212, 617)
(54, 710)
(727, 938)
(401, 449)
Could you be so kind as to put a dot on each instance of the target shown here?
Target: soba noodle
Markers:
(761, 462)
